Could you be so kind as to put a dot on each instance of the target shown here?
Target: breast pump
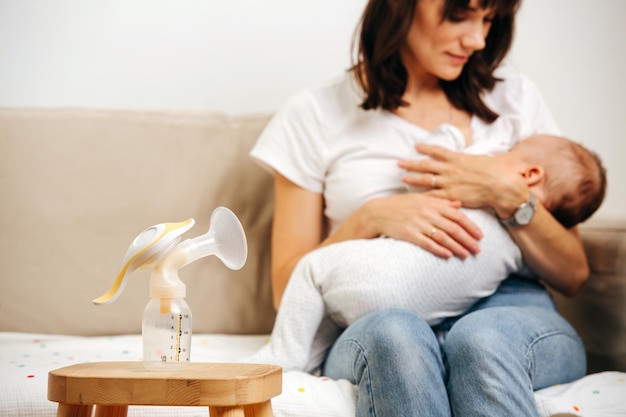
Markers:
(166, 325)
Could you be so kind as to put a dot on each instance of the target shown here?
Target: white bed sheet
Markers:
(26, 359)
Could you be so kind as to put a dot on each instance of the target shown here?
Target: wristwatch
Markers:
(524, 213)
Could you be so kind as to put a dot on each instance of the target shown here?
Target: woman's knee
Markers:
(483, 333)
(394, 339)
(393, 357)
(394, 331)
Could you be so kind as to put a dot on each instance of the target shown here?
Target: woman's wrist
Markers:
(507, 197)
(360, 225)
(364, 223)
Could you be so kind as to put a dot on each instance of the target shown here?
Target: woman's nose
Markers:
(474, 38)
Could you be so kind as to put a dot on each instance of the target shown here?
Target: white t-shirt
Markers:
(324, 142)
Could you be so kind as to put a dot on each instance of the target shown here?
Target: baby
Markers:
(333, 286)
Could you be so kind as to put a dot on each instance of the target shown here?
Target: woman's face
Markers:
(437, 48)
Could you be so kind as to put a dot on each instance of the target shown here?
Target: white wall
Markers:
(250, 55)
(231, 55)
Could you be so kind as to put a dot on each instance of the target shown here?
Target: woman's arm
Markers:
(556, 254)
(297, 228)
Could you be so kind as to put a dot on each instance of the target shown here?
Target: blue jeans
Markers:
(486, 362)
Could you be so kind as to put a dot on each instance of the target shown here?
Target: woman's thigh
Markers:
(509, 345)
(395, 360)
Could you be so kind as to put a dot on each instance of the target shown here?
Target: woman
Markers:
(339, 154)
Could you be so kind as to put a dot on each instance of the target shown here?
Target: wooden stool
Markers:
(227, 389)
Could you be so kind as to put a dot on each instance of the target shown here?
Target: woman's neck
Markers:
(428, 107)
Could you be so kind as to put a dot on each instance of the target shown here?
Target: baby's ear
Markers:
(533, 175)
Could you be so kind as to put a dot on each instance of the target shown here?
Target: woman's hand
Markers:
(433, 223)
(474, 180)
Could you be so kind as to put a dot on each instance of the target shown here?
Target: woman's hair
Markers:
(384, 28)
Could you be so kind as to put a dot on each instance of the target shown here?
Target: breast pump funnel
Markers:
(225, 239)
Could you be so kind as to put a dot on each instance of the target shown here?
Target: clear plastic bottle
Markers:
(166, 334)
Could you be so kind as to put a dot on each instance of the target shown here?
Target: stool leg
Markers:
(111, 411)
(259, 410)
(227, 411)
(74, 410)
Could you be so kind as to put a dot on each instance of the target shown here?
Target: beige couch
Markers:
(78, 185)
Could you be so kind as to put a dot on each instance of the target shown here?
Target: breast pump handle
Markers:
(158, 247)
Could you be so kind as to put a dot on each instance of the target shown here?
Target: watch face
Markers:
(524, 214)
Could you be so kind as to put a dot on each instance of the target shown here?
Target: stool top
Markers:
(129, 383)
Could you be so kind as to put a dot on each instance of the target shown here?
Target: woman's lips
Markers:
(461, 59)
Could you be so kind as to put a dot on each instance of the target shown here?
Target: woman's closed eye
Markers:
(462, 14)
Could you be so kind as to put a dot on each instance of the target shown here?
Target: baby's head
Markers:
(572, 184)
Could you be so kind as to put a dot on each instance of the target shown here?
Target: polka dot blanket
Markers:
(26, 359)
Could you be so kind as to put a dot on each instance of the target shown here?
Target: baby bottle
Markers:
(166, 334)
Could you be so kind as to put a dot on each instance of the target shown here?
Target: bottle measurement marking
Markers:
(178, 334)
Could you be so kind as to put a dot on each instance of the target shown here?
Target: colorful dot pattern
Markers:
(25, 361)
(596, 395)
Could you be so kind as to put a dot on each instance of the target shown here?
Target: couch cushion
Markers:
(78, 185)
